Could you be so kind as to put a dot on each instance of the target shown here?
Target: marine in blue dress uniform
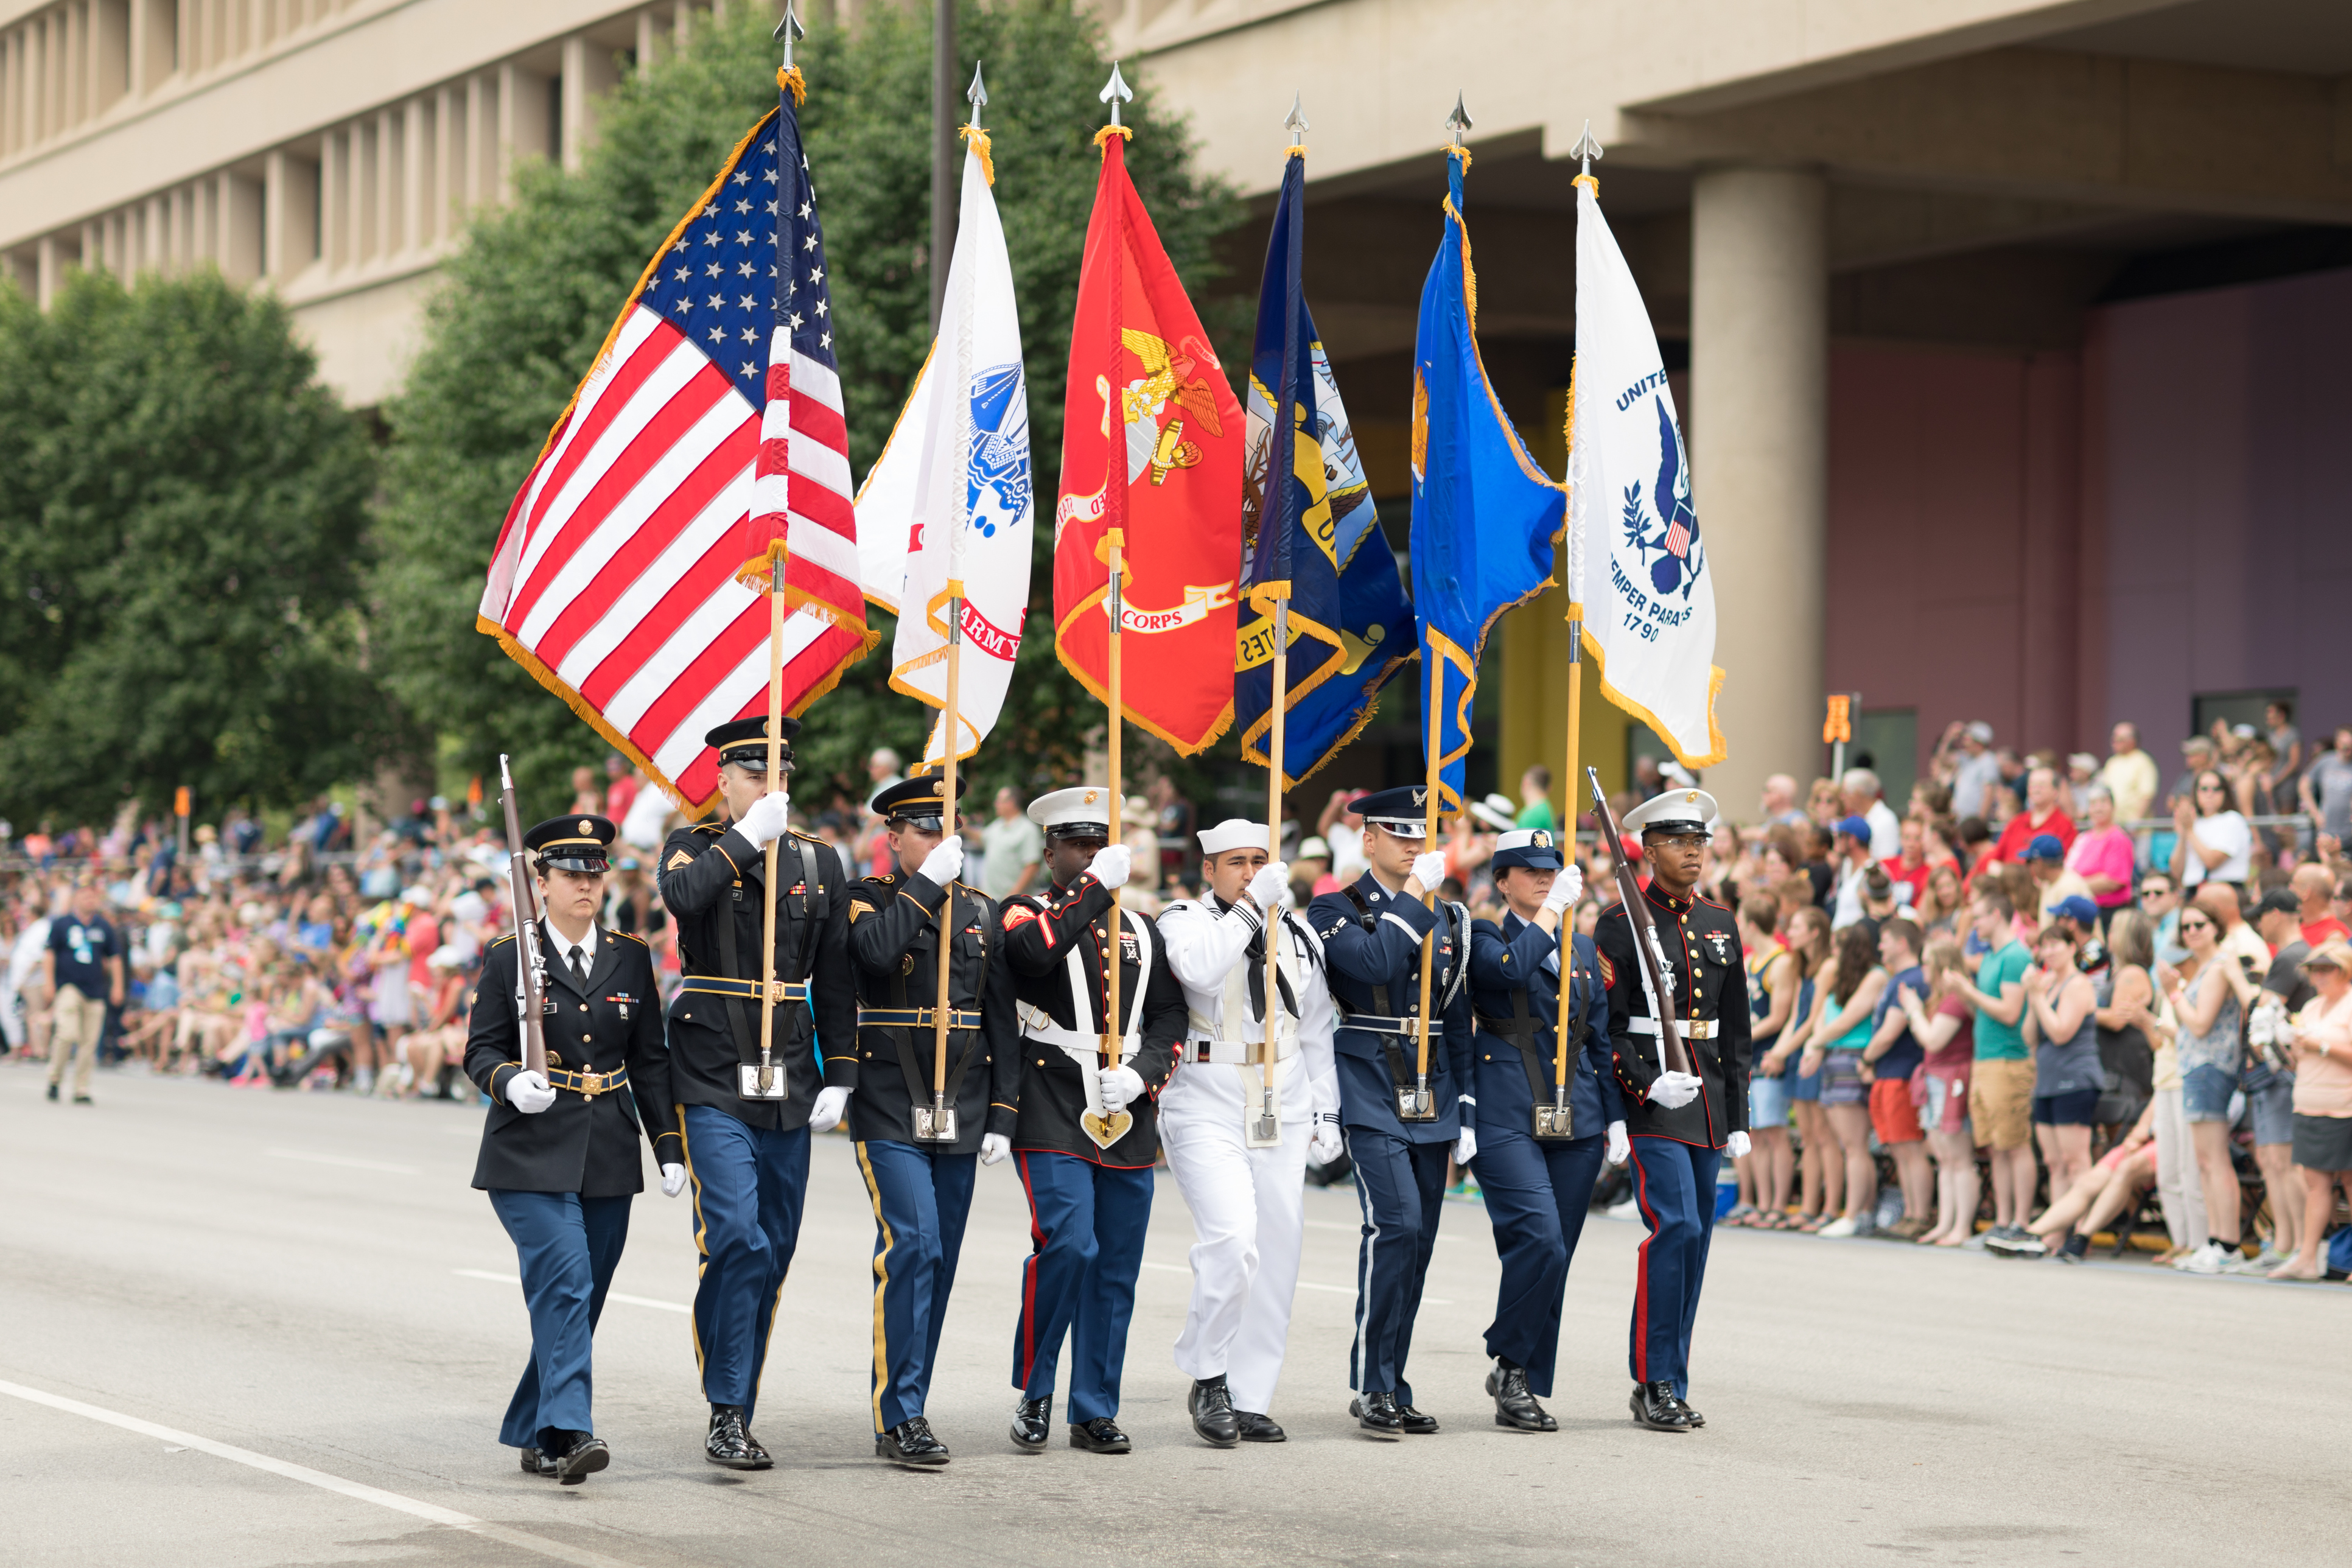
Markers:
(1371, 935)
(748, 1155)
(921, 1187)
(1681, 1124)
(559, 1155)
(1536, 1188)
(1088, 1204)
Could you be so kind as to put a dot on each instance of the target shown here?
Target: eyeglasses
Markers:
(2148, 893)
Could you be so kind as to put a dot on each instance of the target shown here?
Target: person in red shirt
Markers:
(2314, 885)
(620, 787)
(2041, 816)
(1911, 865)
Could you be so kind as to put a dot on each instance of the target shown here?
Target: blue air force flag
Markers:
(1309, 532)
(948, 507)
(1634, 552)
(1483, 515)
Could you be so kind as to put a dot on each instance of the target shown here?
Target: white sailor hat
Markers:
(1234, 833)
(1080, 812)
(1677, 811)
(1533, 847)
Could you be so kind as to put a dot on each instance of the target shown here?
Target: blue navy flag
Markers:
(1483, 515)
(1308, 531)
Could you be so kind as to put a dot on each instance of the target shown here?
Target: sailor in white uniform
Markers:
(1243, 1176)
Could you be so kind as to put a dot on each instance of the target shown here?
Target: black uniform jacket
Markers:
(894, 941)
(1372, 957)
(712, 878)
(1517, 999)
(583, 1143)
(1040, 932)
(1707, 977)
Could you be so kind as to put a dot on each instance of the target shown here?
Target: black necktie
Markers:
(579, 968)
(1254, 956)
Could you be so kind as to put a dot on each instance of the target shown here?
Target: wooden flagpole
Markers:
(1266, 1128)
(1115, 1123)
(1429, 895)
(775, 775)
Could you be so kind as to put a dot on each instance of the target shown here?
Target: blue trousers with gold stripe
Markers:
(750, 1183)
(921, 1196)
(567, 1247)
(1674, 1183)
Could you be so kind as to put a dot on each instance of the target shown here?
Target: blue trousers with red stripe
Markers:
(1087, 1224)
(1674, 1185)
(921, 1196)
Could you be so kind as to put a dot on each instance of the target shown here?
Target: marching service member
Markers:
(1246, 1190)
(558, 1153)
(918, 1166)
(1371, 933)
(747, 1141)
(1537, 1178)
(1086, 1139)
(1681, 1124)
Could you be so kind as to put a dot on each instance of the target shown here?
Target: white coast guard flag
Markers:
(1633, 541)
(951, 499)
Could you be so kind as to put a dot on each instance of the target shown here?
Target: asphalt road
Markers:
(251, 1328)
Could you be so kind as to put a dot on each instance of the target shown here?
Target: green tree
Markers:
(182, 512)
(532, 292)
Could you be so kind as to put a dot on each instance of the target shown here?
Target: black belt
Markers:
(913, 1018)
(1512, 1029)
(720, 985)
(589, 1084)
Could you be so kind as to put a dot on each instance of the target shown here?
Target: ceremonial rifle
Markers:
(1646, 946)
(531, 963)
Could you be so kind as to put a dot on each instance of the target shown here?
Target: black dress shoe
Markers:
(1100, 1436)
(910, 1444)
(1653, 1406)
(1514, 1406)
(1378, 1414)
(1693, 1417)
(1414, 1422)
(52, 1091)
(1032, 1423)
(1213, 1412)
(537, 1463)
(1256, 1428)
(730, 1445)
(584, 1457)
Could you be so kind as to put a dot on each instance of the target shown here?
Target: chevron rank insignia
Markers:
(680, 858)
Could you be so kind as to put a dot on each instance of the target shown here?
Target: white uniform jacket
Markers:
(1206, 944)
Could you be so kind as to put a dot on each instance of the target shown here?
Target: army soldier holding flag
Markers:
(1247, 1198)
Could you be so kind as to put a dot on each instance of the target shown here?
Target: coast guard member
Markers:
(1371, 935)
(1248, 1204)
(921, 1188)
(1681, 1124)
(1089, 1206)
(747, 1154)
(559, 1155)
(1537, 1189)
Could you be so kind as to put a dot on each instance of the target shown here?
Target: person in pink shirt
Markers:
(2104, 856)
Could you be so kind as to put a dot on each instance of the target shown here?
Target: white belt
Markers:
(1689, 1029)
(1084, 1048)
(1237, 1052)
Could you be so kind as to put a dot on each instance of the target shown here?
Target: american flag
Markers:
(711, 423)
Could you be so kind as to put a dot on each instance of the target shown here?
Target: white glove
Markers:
(1265, 889)
(1466, 1148)
(530, 1092)
(1111, 864)
(1428, 870)
(1737, 1145)
(1327, 1143)
(1120, 1085)
(1673, 1090)
(1566, 888)
(825, 1114)
(1618, 1147)
(945, 864)
(672, 1180)
(765, 822)
(995, 1148)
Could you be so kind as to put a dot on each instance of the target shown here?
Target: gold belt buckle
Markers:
(592, 1084)
(776, 992)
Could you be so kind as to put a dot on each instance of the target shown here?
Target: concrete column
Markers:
(416, 176)
(50, 258)
(1759, 452)
(448, 164)
(240, 224)
(110, 53)
(391, 182)
(481, 140)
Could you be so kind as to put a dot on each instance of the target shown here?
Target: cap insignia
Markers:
(586, 825)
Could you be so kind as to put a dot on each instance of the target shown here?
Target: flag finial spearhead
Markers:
(977, 96)
(1586, 149)
(1115, 92)
(789, 32)
(1297, 124)
(1459, 120)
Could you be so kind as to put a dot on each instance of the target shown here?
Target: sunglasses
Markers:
(2196, 925)
(2148, 893)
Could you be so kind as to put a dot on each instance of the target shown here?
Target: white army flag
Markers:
(1633, 544)
(951, 500)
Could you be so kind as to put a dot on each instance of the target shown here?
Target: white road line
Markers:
(345, 1161)
(1302, 1284)
(430, 1512)
(621, 1296)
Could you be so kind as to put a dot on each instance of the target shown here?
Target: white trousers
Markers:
(2178, 1187)
(1248, 1213)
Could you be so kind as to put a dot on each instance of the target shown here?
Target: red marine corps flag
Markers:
(1151, 459)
